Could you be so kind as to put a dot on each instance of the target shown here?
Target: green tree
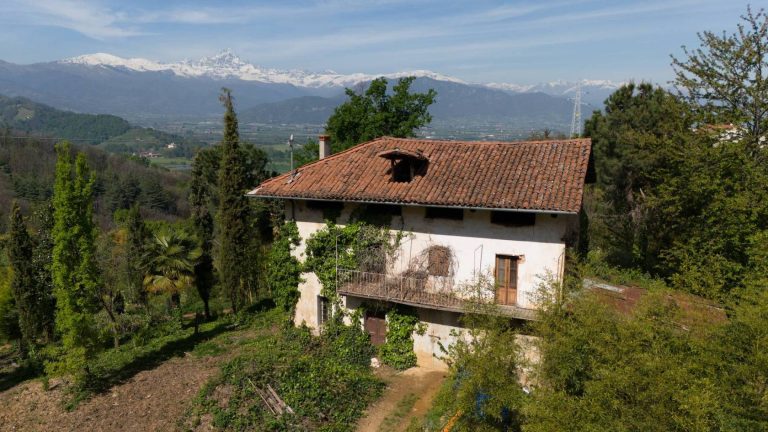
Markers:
(236, 237)
(203, 225)
(645, 371)
(635, 141)
(23, 280)
(377, 113)
(136, 239)
(725, 78)
(171, 258)
(9, 316)
(74, 269)
(42, 258)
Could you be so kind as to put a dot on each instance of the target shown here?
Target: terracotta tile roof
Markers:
(532, 175)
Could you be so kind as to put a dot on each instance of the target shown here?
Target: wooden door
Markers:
(376, 326)
(506, 279)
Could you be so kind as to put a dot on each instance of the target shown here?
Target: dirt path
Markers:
(422, 382)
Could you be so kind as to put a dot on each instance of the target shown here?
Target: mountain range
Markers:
(137, 89)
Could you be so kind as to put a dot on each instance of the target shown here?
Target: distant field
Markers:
(173, 163)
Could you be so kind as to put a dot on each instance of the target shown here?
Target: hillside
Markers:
(27, 174)
(455, 102)
(112, 133)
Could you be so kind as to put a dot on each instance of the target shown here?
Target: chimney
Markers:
(324, 142)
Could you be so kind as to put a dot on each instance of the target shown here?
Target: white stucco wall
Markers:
(474, 241)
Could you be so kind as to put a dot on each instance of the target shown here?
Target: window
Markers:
(323, 310)
(384, 209)
(506, 279)
(513, 219)
(331, 209)
(444, 213)
(439, 261)
(402, 171)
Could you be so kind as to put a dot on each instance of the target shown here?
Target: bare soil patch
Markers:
(151, 400)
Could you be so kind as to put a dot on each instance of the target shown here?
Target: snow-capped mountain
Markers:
(227, 65)
(141, 88)
(592, 91)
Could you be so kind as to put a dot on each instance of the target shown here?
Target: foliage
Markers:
(376, 113)
(483, 391)
(349, 343)
(203, 224)
(283, 269)
(307, 153)
(325, 393)
(680, 204)
(75, 274)
(24, 115)
(605, 371)
(397, 351)
(357, 246)
(23, 284)
(742, 363)
(725, 79)
(235, 237)
(42, 257)
(9, 316)
(27, 169)
(137, 236)
(642, 131)
(171, 258)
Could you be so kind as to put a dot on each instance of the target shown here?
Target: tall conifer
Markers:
(23, 281)
(75, 274)
(203, 223)
(234, 210)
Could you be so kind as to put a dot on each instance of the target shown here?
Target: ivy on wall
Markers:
(397, 351)
(283, 269)
(357, 246)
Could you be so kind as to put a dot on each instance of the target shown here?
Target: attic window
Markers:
(444, 213)
(405, 164)
(513, 219)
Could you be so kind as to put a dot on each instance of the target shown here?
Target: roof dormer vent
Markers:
(405, 164)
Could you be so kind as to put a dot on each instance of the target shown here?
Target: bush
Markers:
(323, 380)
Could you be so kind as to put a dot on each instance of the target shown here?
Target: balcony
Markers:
(416, 291)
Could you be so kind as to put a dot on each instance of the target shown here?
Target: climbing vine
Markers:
(357, 246)
(283, 269)
(397, 351)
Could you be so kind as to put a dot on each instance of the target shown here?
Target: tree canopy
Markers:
(377, 112)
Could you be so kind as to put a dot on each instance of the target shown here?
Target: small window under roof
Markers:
(405, 164)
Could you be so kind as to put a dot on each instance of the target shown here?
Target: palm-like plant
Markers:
(170, 261)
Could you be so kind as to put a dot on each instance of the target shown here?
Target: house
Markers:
(466, 209)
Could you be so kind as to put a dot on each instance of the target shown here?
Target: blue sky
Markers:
(481, 41)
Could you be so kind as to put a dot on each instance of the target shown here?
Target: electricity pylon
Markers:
(576, 119)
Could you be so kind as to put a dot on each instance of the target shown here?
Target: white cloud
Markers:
(89, 19)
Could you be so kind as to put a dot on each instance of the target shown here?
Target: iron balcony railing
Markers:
(415, 291)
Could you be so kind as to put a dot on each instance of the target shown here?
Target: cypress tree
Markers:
(42, 256)
(23, 280)
(234, 210)
(75, 274)
(203, 223)
(135, 250)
